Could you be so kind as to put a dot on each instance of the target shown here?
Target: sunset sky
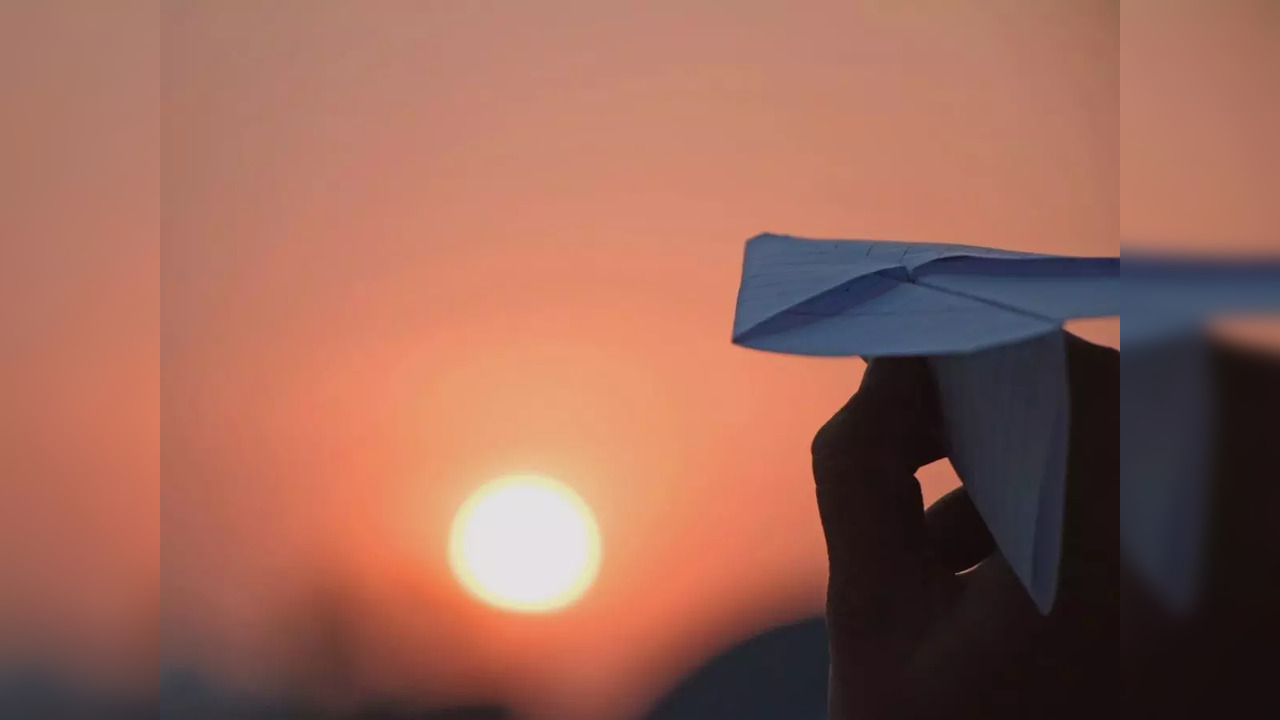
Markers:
(410, 247)
(414, 248)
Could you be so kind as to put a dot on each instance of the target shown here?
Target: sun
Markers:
(525, 543)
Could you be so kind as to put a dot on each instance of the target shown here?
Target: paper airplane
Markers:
(862, 297)
(1167, 402)
(992, 322)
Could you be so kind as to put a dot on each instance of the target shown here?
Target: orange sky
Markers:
(79, 348)
(411, 249)
(415, 245)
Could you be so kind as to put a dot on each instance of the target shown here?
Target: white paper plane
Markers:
(990, 319)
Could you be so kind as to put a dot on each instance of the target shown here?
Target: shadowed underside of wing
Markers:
(1007, 415)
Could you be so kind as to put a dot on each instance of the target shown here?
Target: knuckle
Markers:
(839, 435)
(832, 435)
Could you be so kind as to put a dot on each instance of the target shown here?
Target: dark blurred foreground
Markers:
(778, 675)
(187, 696)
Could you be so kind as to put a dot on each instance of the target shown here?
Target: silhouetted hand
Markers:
(909, 638)
(882, 576)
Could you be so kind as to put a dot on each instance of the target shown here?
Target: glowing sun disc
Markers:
(525, 543)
